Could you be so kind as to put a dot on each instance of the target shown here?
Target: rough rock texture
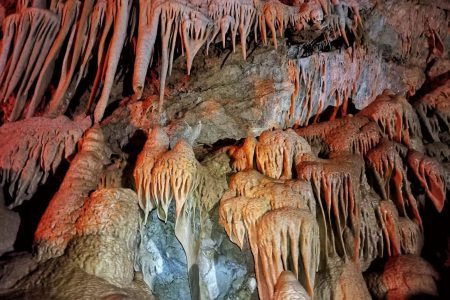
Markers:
(336, 176)
(419, 275)
(9, 224)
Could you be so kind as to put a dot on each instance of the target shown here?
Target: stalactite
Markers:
(37, 28)
(174, 176)
(288, 233)
(121, 16)
(336, 183)
(231, 219)
(411, 236)
(157, 143)
(74, 29)
(331, 79)
(355, 135)
(243, 157)
(278, 151)
(72, 56)
(388, 215)
(431, 176)
(400, 124)
(434, 110)
(390, 174)
(31, 150)
(69, 16)
(371, 234)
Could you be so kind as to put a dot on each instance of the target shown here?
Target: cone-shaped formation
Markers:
(243, 157)
(252, 196)
(288, 288)
(56, 227)
(328, 80)
(157, 143)
(431, 176)
(35, 30)
(389, 220)
(106, 233)
(278, 151)
(33, 149)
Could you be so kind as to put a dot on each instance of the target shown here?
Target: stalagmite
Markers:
(32, 150)
(431, 176)
(157, 143)
(288, 233)
(57, 225)
(288, 288)
(106, 232)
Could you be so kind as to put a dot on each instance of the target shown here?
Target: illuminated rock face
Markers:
(223, 149)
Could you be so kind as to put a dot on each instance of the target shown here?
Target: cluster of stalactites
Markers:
(395, 116)
(434, 111)
(36, 38)
(360, 136)
(163, 175)
(198, 23)
(31, 150)
(278, 217)
(431, 176)
(276, 152)
(337, 189)
(68, 37)
(386, 162)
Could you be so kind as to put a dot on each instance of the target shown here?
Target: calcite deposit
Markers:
(224, 149)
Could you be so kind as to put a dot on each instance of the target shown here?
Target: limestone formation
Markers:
(224, 149)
